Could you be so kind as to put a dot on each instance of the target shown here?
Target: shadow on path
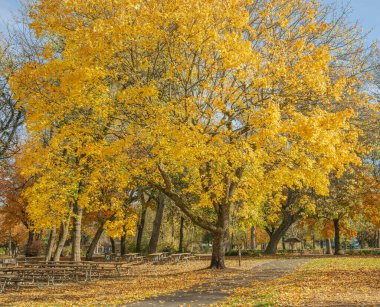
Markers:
(216, 291)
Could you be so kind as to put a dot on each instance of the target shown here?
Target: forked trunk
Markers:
(51, 243)
(77, 233)
(64, 231)
(276, 235)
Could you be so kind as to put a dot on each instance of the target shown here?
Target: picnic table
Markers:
(131, 256)
(6, 279)
(8, 262)
(42, 272)
(159, 257)
(180, 256)
(110, 257)
(118, 266)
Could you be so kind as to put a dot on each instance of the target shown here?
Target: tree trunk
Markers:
(122, 244)
(181, 228)
(313, 238)
(218, 250)
(140, 228)
(13, 250)
(328, 247)
(94, 242)
(51, 243)
(9, 252)
(157, 224)
(113, 245)
(378, 239)
(253, 238)
(220, 237)
(141, 223)
(64, 231)
(275, 236)
(338, 250)
(230, 241)
(77, 234)
(28, 249)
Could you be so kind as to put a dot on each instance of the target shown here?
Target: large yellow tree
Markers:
(214, 103)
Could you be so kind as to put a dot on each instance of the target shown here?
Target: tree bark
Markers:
(338, 250)
(141, 223)
(157, 224)
(328, 247)
(51, 243)
(77, 233)
(28, 248)
(276, 235)
(181, 228)
(220, 237)
(140, 228)
(377, 243)
(313, 238)
(253, 238)
(94, 242)
(64, 231)
(283, 243)
(122, 244)
(113, 245)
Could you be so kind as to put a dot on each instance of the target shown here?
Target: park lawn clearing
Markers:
(146, 281)
(320, 282)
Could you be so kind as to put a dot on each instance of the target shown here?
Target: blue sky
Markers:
(367, 12)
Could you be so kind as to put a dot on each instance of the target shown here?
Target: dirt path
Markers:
(216, 291)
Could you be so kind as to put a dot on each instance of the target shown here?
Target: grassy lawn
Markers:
(320, 282)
